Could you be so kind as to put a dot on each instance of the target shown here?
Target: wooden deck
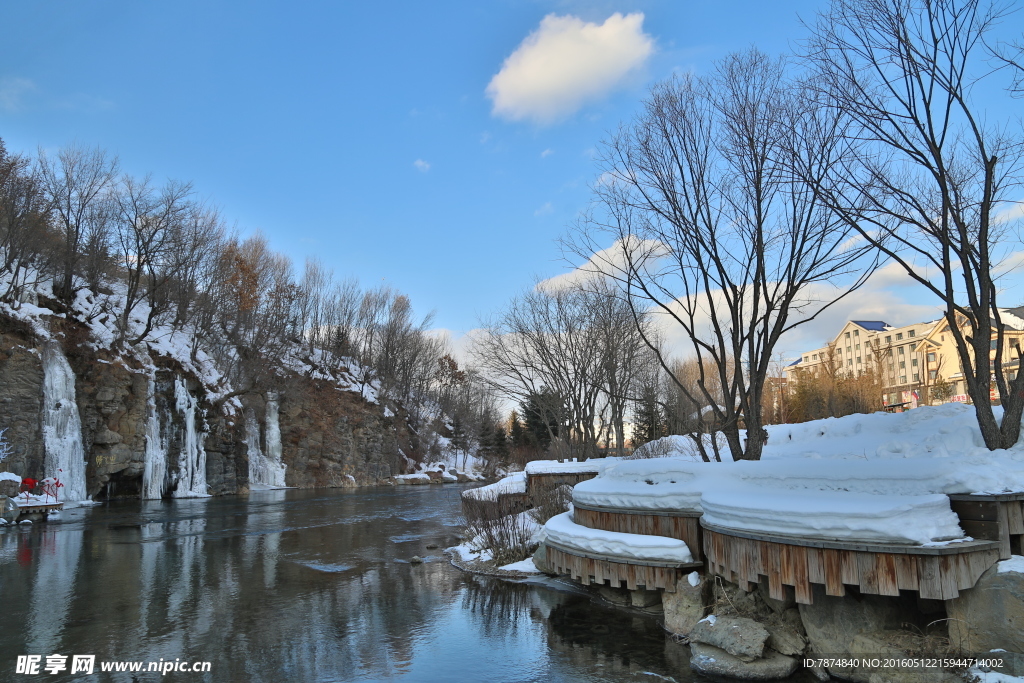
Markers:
(936, 572)
(680, 524)
(995, 517)
(616, 572)
(38, 511)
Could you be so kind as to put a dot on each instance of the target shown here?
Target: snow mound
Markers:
(563, 531)
(657, 484)
(829, 515)
(570, 466)
(513, 483)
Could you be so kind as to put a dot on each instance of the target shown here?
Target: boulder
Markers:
(540, 560)
(644, 598)
(741, 637)
(616, 596)
(688, 604)
(885, 645)
(833, 622)
(9, 488)
(8, 509)
(713, 661)
(990, 615)
(463, 477)
(785, 640)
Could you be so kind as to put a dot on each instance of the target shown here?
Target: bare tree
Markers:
(925, 171)
(145, 224)
(24, 225)
(713, 231)
(77, 183)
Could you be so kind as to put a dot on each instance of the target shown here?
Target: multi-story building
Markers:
(913, 364)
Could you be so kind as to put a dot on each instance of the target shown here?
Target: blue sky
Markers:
(364, 133)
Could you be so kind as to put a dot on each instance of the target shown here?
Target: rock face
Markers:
(713, 661)
(990, 615)
(688, 605)
(329, 437)
(742, 638)
(540, 560)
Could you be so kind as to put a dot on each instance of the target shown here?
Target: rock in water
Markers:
(431, 546)
(713, 661)
(416, 559)
(688, 605)
(741, 637)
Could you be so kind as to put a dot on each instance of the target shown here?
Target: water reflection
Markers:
(303, 586)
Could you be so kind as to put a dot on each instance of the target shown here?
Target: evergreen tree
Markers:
(648, 421)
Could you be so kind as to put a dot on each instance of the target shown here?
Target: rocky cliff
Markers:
(149, 428)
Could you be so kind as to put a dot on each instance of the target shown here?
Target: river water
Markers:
(302, 585)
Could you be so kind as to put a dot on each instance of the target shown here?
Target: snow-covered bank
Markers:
(870, 478)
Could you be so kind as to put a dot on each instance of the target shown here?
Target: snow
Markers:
(693, 578)
(9, 476)
(711, 618)
(562, 530)
(869, 478)
(513, 483)
(570, 466)
(1014, 564)
(834, 516)
(418, 476)
(525, 566)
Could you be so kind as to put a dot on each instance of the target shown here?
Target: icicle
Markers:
(62, 426)
(265, 469)
(192, 460)
(275, 466)
(155, 471)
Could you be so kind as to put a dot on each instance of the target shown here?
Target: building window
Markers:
(888, 339)
(858, 360)
(899, 335)
(814, 357)
(847, 335)
(912, 333)
(995, 342)
(850, 362)
(857, 347)
(805, 359)
(913, 363)
(900, 352)
(931, 357)
(903, 364)
(932, 374)
(903, 379)
(856, 333)
(917, 377)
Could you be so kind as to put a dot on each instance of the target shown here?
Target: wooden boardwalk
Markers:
(617, 572)
(936, 572)
(680, 524)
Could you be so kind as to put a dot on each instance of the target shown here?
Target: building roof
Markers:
(796, 362)
(873, 325)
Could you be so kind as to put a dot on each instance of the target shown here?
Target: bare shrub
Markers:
(550, 501)
(500, 526)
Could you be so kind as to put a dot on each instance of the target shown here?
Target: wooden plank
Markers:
(815, 565)
(787, 559)
(775, 588)
(963, 572)
(885, 573)
(929, 582)
(948, 576)
(801, 585)
(1004, 533)
(988, 531)
(868, 575)
(834, 573)
(851, 573)
(974, 510)
(1015, 516)
(906, 572)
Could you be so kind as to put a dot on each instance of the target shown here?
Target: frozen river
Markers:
(301, 586)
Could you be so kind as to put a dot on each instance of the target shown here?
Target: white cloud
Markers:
(544, 210)
(12, 91)
(567, 63)
(1011, 213)
(546, 153)
(421, 165)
